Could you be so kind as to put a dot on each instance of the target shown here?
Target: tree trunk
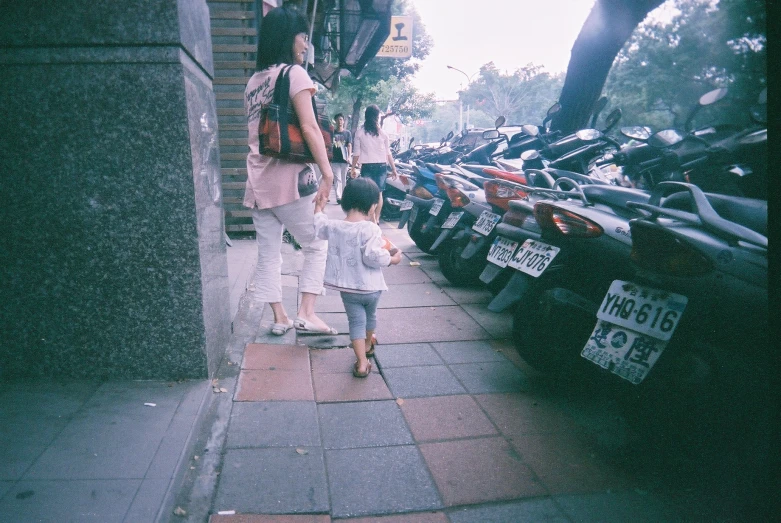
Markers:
(607, 28)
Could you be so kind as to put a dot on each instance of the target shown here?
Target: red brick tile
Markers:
(566, 463)
(346, 387)
(260, 518)
(335, 361)
(479, 470)
(446, 417)
(420, 517)
(519, 413)
(260, 356)
(274, 385)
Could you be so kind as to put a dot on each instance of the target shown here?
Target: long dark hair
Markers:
(278, 30)
(371, 122)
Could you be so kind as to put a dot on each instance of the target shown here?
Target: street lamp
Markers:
(461, 102)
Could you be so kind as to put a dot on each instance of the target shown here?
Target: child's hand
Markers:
(396, 257)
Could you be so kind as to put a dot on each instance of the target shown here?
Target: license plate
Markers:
(533, 257)
(452, 220)
(405, 205)
(648, 311)
(413, 214)
(634, 325)
(623, 352)
(486, 223)
(436, 206)
(501, 251)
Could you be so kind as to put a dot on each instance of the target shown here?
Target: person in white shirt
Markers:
(372, 147)
(356, 254)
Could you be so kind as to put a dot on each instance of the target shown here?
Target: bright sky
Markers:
(511, 33)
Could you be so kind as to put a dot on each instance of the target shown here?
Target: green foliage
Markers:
(664, 68)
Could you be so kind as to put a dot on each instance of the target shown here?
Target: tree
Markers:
(519, 97)
(606, 29)
(354, 93)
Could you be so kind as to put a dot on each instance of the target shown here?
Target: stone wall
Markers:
(112, 256)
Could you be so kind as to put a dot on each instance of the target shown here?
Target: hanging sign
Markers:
(399, 41)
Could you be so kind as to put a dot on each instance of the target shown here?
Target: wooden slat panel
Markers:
(233, 141)
(234, 185)
(233, 127)
(240, 228)
(239, 214)
(234, 31)
(232, 15)
(230, 80)
(233, 171)
(232, 199)
(233, 156)
(235, 48)
(237, 64)
(238, 95)
(231, 1)
(230, 112)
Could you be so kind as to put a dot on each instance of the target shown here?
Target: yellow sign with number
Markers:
(399, 42)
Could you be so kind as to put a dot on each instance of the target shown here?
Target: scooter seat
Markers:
(517, 177)
(748, 212)
(475, 168)
(436, 168)
(615, 196)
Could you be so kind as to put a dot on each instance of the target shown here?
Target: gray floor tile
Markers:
(101, 501)
(5, 486)
(406, 355)
(498, 324)
(379, 481)
(273, 481)
(148, 500)
(467, 352)
(405, 273)
(114, 436)
(362, 424)
(491, 376)
(529, 510)
(616, 507)
(273, 424)
(427, 324)
(467, 295)
(39, 411)
(414, 295)
(434, 380)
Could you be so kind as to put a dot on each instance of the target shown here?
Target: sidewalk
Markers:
(450, 426)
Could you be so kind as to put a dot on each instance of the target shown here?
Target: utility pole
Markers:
(461, 103)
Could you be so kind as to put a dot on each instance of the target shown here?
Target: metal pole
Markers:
(311, 47)
(460, 114)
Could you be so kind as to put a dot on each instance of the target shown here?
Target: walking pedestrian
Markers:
(282, 193)
(356, 254)
(372, 148)
(343, 150)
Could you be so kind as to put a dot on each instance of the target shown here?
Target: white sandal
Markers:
(278, 329)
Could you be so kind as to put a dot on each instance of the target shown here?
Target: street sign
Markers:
(399, 41)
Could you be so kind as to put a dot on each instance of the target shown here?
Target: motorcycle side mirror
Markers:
(588, 135)
(555, 108)
(612, 119)
(711, 97)
(708, 98)
(637, 132)
(531, 130)
(530, 154)
(449, 136)
(762, 97)
(665, 138)
(490, 134)
(499, 122)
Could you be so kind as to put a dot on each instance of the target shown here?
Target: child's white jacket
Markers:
(355, 254)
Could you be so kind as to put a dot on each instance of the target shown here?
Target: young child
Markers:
(356, 255)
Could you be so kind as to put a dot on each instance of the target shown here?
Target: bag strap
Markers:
(282, 100)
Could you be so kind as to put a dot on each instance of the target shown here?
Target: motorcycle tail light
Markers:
(500, 194)
(422, 192)
(457, 198)
(657, 249)
(552, 218)
(406, 179)
(441, 183)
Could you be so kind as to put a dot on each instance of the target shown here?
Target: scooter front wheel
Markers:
(424, 241)
(457, 270)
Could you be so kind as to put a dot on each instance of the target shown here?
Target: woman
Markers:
(372, 145)
(282, 193)
(343, 147)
